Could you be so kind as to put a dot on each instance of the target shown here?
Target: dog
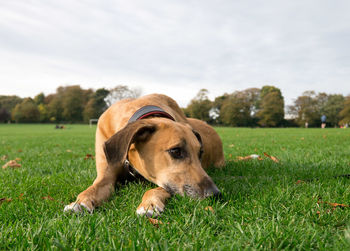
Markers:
(151, 138)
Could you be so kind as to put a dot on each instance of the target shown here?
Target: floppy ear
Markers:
(198, 136)
(116, 147)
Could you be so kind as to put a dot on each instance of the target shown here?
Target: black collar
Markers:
(148, 111)
(142, 113)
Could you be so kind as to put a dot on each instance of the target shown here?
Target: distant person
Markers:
(306, 124)
(323, 120)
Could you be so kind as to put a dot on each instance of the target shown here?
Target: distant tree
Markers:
(96, 104)
(4, 115)
(270, 107)
(55, 108)
(26, 112)
(9, 102)
(332, 108)
(200, 106)
(345, 112)
(121, 92)
(236, 110)
(306, 109)
(39, 99)
(73, 103)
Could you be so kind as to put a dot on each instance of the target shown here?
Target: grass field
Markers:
(264, 204)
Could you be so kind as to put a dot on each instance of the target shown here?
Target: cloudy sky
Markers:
(175, 47)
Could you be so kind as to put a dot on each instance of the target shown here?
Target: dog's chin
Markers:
(184, 190)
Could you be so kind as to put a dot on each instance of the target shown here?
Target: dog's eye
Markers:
(177, 153)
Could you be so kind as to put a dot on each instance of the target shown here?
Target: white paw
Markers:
(78, 207)
(150, 211)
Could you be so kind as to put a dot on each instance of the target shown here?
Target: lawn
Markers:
(284, 205)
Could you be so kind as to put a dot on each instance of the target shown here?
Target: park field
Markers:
(287, 204)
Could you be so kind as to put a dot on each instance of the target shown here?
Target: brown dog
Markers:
(150, 137)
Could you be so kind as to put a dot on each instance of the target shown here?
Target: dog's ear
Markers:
(198, 136)
(116, 147)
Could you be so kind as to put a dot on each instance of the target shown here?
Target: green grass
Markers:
(262, 206)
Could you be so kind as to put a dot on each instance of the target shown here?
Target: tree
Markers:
(96, 104)
(9, 102)
(73, 101)
(270, 107)
(332, 108)
(54, 108)
(306, 109)
(39, 99)
(26, 112)
(200, 106)
(236, 110)
(345, 112)
(4, 115)
(121, 92)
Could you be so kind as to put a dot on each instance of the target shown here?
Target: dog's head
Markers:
(164, 152)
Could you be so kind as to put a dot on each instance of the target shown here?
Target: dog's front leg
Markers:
(94, 195)
(153, 202)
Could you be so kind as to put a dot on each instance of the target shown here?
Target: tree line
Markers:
(252, 107)
(70, 104)
(265, 107)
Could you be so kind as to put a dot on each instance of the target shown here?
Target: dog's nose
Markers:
(212, 191)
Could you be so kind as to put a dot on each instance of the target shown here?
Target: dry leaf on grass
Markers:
(5, 200)
(11, 163)
(252, 156)
(68, 150)
(89, 156)
(232, 145)
(209, 208)
(19, 150)
(300, 182)
(20, 197)
(271, 157)
(47, 198)
(4, 157)
(333, 204)
(155, 222)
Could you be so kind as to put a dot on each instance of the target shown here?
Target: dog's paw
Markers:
(150, 209)
(79, 207)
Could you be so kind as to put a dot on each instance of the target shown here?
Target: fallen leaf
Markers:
(19, 150)
(324, 136)
(47, 198)
(252, 156)
(300, 182)
(232, 145)
(68, 151)
(89, 156)
(209, 208)
(155, 222)
(333, 204)
(18, 159)
(271, 157)
(318, 212)
(5, 200)
(4, 157)
(21, 196)
(11, 163)
(302, 138)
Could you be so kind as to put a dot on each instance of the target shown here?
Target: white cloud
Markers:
(175, 47)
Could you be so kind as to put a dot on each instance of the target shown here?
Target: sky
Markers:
(175, 47)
